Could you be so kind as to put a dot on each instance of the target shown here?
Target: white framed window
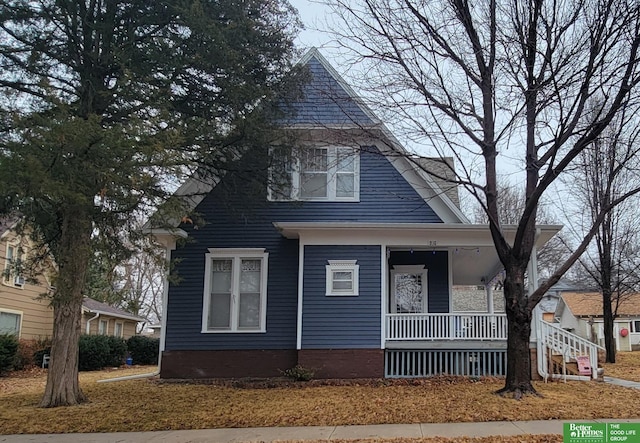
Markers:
(235, 290)
(13, 259)
(118, 329)
(342, 277)
(10, 322)
(635, 326)
(328, 173)
(103, 327)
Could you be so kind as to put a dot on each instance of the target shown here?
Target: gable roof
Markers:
(589, 304)
(330, 103)
(94, 306)
(327, 99)
(7, 223)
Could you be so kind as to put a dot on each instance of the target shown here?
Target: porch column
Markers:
(489, 290)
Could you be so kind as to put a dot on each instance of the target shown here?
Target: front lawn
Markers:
(145, 405)
(627, 366)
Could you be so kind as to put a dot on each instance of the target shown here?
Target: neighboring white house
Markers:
(581, 313)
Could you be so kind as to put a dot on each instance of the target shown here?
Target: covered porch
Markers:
(421, 264)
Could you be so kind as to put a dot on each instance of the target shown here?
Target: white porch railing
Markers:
(564, 343)
(458, 326)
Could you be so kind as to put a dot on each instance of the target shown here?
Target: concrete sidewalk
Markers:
(236, 435)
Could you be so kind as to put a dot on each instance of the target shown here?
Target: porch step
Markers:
(571, 367)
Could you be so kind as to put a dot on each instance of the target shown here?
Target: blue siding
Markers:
(437, 264)
(385, 196)
(325, 102)
(341, 322)
(237, 220)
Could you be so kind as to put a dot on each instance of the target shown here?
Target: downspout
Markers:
(163, 328)
(89, 322)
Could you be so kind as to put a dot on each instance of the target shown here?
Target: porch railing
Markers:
(458, 326)
(564, 343)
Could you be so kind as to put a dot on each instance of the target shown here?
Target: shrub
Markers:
(144, 350)
(99, 351)
(24, 356)
(8, 351)
(299, 373)
(117, 351)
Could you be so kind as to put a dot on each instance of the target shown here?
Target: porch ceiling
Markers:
(471, 247)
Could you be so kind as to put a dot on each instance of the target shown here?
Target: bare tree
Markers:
(605, 171)
(501, 79)
(511, 203)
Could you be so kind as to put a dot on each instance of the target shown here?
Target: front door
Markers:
(408, 290)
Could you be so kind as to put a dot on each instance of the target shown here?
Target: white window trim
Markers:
(8, 278)
(115, 327)
(332, 159)
(342, 266)
(20, 313)
(235, 254)
(106, 329)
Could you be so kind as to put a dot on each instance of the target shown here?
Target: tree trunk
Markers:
(609, 339)
(73, 252)
(518, 380)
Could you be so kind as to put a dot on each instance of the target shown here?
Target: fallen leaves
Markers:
(145, 405)
(627, 366)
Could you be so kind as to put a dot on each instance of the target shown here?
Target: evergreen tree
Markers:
(105, 102)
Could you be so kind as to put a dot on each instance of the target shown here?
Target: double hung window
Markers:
(235, 296)
(10, 322)
(328, 173)
(13, 261)
(118, 329)
(103, 327)
(342, 277)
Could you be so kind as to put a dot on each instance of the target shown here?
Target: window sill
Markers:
(228, 331)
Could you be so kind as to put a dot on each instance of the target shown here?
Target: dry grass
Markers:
(144, 405)
(627, 366)
(550, 438)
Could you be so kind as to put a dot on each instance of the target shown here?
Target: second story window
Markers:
(317, 173)
(13, 263)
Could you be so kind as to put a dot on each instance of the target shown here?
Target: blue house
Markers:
(345, 265)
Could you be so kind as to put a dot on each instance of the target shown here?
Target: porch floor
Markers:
(447, 344)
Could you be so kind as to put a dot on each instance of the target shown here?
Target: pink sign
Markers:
(584, 366)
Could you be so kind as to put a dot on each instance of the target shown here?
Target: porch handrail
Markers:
(567, 344)
(446, 326)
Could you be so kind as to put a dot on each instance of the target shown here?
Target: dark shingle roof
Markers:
(96, 306)
(7, 222)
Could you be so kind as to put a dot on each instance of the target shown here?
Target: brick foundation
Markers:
(226, 364)
(534, 364)
(343, 363)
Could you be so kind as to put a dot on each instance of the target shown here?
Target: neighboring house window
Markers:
(103, 327)
(319, 173)
(12, 262)
(118, 329)
(10, 322)
(235, 290)
(342, 277)
(635, 326)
